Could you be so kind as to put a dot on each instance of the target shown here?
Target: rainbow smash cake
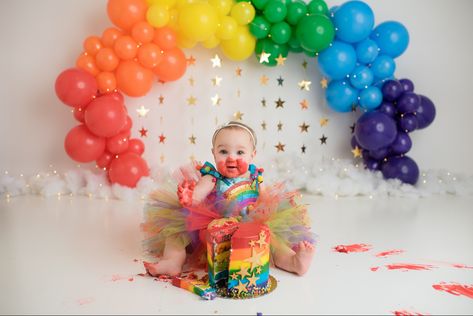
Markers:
(238, 258)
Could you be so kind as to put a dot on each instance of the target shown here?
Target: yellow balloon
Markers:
(211, 42)
(167, 3)
(184, 42)
(241, 46)
(223, 6)
(174, 19)
(227, 28)
(181, 3)
(198, 21)
(243, 13)
(157, 15)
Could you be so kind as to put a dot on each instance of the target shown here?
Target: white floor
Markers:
(83, 256)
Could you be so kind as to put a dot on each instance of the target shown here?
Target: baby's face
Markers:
(233, 151)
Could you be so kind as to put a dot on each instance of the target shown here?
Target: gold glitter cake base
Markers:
(271, 286)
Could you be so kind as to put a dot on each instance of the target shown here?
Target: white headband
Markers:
(236, 124)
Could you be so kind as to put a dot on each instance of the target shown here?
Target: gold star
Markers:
(303, 148)
(280, 126)
(304, 104)
(304, 127)
(238, 71)
(262, 240)
(191, 81)
(324, 83)
(162, 138)
(304, 85)
(264, 57)
(263, 80)
(238, 116)
(280, 60)
(161, 158)
(304, 64)
(192, 139)
(142, 111)
(238, 93)
(216, 100)
(191, 100)
(263, 125)
(234, 276)
(252, 243)
(243, 273)
(143, 132)
(252, 280)
(263, 102)
(190, 60)
(161, 99)
(323, 139)
(216, 81)
(216, 62)
(241, 287)
(258, 270)
(356, 152)
(280, 103)
(255, 259)
(280, 147)
(323, 121)
(192, 158)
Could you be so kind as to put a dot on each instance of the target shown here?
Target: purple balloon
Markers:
(379, 154)
(392, 89)
(403, 168)
(388, 108)
(354, 143)
(408, 122)
(402, 144)
(372, 164)
(425, 112)
(408, 102)
(375, 130)
(407, 85)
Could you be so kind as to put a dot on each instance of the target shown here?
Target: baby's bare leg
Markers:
(172, 261)
(297, 260)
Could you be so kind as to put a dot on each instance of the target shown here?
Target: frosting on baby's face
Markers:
(233, 152)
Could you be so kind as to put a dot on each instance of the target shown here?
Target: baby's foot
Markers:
(163, 266)
(303, 257)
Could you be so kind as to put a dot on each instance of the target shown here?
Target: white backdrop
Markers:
(39, 39)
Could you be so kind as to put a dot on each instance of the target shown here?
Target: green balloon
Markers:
(315, 32)
(280, 32)
(270, 47)
(259, 4)
(294, 45)
(275, 11)
(317, 7)
(295, 11)
(310, 54)
(260, 27)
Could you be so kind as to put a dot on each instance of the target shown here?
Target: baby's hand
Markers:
(185, 191)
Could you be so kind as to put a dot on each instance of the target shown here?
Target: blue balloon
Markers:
(383, 67)
(392, 38)
(353, 21)
(375, 130)
(337, 61)
(341, 96)
(370, 98)
(332, 11)
(366, 51)
(361, 77)
(403, 168)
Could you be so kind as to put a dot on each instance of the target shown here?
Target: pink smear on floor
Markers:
(461, 266)
(117, 277)
(352, 248)
(455, 289)
(385, 254)
(409, 266)
(83, 301)
(407, 313)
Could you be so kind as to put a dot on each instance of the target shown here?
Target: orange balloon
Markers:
(150, 55)
(165, 38)
(110, 35)
(142, 32)
(173, 65)
(133, 79)
(125, 47)
(92, 45)
(87, 63)
(106, 81)
(125, 13)
(106, 59)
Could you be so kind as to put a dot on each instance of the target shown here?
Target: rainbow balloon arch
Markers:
(146, 44)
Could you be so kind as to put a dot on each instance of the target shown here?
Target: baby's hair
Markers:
(235, 125)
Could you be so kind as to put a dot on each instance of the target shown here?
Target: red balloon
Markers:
(105, 116)
(172, 66)
(115, 95)
(128, 169)
(83, 146)
(136, 146)
(128, 125)
(75, 87)
(118, 143)
(79, 114)
(104, 160)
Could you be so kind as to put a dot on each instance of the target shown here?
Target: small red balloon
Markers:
(105, 116)
(75, 87)
(128, 125)
(127, 169)
(136, 146)
(83, 146)
(104, 160)
(79, 114)
(118, 143)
